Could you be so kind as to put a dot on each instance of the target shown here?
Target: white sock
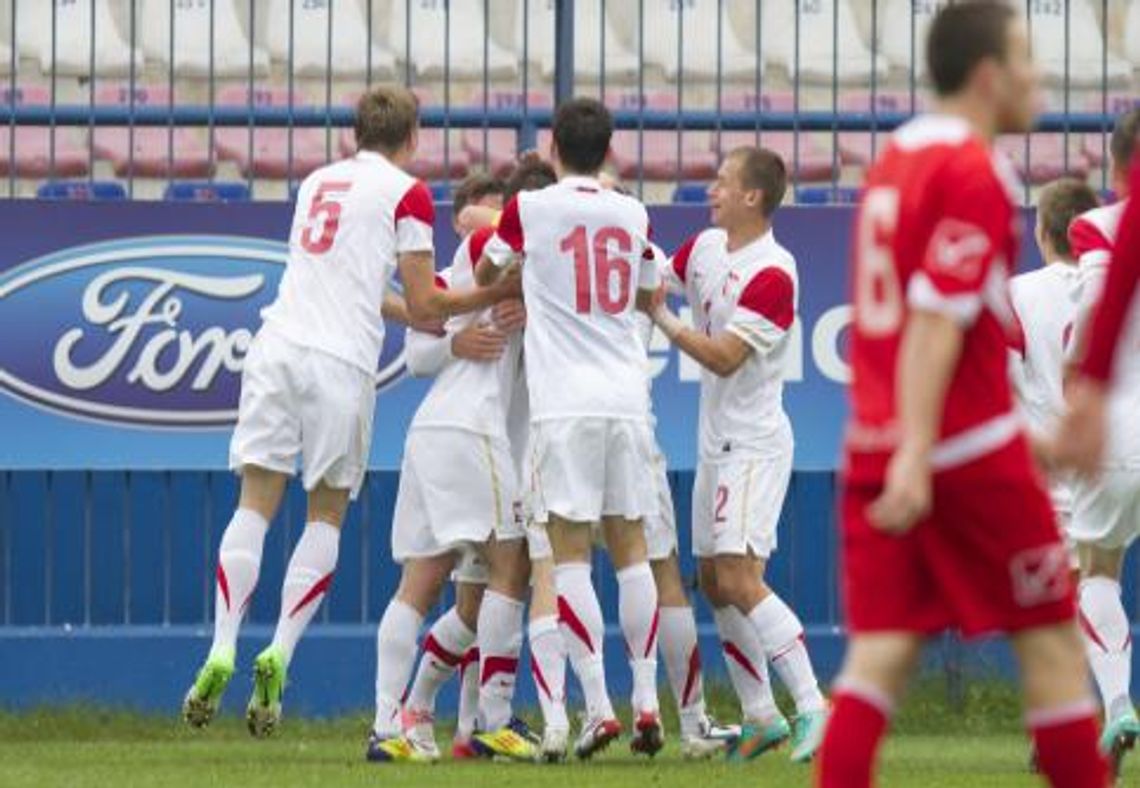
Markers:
(1108, 643)
(782, 636)
(444, 646)
(747, 665)
(395, 658)
(307, 580)
(500, 641)
(468, 715)
(239, 561)
(548, 666)
(637, 611)
(683, 666)
(583, 631)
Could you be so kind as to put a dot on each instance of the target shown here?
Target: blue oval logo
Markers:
(150, 330)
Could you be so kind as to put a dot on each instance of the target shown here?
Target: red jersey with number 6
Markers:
(585, 252)
(353, 218)
(937, 230)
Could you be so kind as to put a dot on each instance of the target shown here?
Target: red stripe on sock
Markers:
(471, 657)
(432, 646)
(493, 665)
(651, 641)
(691, 678)
(731, 650)
(567, 616)
(1090, 633)
(223, 584)
(539, 679)
(319, 587)
(245, 604)
(788, 649)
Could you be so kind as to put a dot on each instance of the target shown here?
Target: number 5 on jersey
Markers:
(324, 216)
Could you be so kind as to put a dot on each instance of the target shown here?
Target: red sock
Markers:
(857, 724)
(1067, 749)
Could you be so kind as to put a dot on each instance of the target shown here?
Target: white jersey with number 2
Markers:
(585, 250)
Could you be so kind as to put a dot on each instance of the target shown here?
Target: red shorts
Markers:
(988, 559)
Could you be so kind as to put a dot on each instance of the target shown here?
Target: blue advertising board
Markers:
(123, 328)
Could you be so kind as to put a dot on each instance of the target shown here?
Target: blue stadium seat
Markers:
(81, 190)
(691, 193)
(206, 191)
(441, 191)
(826, 195)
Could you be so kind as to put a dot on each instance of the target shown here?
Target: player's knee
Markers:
(1100, 562)
(468, 598)
(1053, 666)
(706, 580)
(422, 582)
(670, 587)
(883, 662)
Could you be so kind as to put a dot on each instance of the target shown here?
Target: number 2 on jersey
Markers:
(606, 241)
(324, 215)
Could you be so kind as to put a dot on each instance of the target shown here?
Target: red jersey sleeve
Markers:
(972, 234)
(765, 310)
(415, 217)
(680, 260)
(1086, 238)
(508, 238)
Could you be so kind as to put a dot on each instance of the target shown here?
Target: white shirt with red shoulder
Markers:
(584, 250)
(751, 292)
(353, 218)
(937, 231)
(470, 395)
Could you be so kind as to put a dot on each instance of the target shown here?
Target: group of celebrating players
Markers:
(535, 441)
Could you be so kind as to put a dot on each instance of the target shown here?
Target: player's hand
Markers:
(433, 327)
(479, 342)
(657, 302)
(509, 285)
(906, 498)
(509, 316)
(1080, 441)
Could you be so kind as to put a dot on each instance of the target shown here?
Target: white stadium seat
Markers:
(1132, 33)
(829, 41)
(353, 54)
(620, 55)
(1086, 66)
(231, 45)
(74, 23)
(464, 37)
(692, 23)
(900, 20)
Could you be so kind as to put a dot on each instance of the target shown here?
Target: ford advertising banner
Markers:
(123, 328)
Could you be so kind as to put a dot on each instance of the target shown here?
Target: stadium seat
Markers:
(436, 158)
(39, 151)
(653, 155)
(1095, 146)
(148, 152)
(354, 53)
(830, 46)
(1132, 33)
(269, 154)
(1087, 65)
(814, 162)
(857, 147)
(501, 144)
(73, 25)
(459, 40)
(81, 190)
(620, 57)
(441, 191)
(838, 195)
(681, 38)
(1045, 159)
(691, 193)
(232, 49)
(900, 20)
(206, 191)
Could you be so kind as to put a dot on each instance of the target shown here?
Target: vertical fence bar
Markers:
(407, 42)
(54, 86)
(1104, 99)
(525, 138)
(640, 97)
(211, 153)
(132, 79)
(563, 51)
(49, 543)
(796, 102)
(91, 107)
(487, 76)
(835, 96)
(249, 98)
(88, 498)
(677, 151)
(1026, 136)
(12, 62)
(290, 79)
(602, 52)
(328, 82)
(717, 85)
(170, 95)
(447, 89)
(1068, 85)
(874, 107)
(758, 85)
(368, 46)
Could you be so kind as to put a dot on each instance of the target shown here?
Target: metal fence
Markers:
(133, 98)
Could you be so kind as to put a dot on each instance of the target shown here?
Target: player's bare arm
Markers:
(931, 346)
(428, 302)
(722, 353)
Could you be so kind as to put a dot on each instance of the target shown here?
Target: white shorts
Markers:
(584, 469)
(538, 543)
(457, 488)
(661, 525)
(1106, 513)
(737, 504)
(296, 401)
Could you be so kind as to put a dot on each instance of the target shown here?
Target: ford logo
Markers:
(151, 330)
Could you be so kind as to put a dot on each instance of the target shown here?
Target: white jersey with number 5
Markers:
(585, 253)
(353, 218)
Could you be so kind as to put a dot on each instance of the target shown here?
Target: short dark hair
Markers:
(961, 36)
(1124, 135)
(386, 117)
(1058, 204)
(582, 131)
(474, 188)
(763, 169)
(531, 173)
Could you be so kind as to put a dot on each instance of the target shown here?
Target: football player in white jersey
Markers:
(585, 272)
(742, 286)
(1106, 511)
(307, 384)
